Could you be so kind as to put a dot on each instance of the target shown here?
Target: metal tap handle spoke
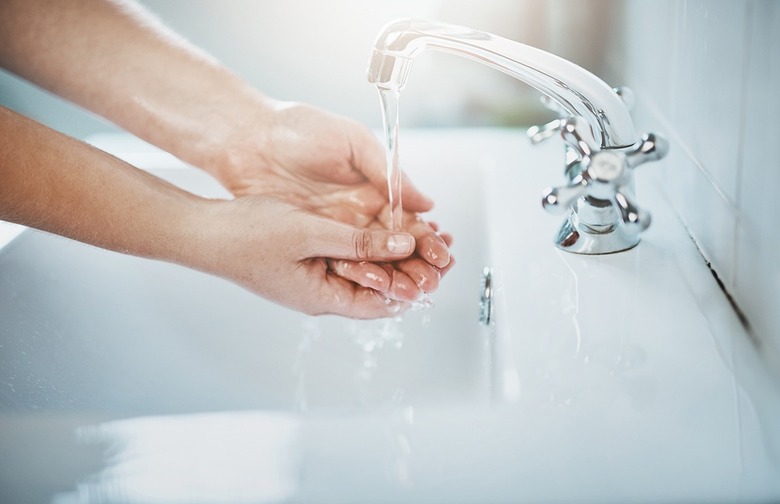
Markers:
(578, 135)
(652, 147)
(574, 130)
(559, 199)
(634, 217)
(541, 133)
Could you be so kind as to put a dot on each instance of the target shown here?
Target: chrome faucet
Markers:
(602, 144)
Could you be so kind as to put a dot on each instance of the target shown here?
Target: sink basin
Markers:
(84, 328)
(613, 378)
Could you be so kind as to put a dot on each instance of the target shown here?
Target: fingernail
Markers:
(437, 260)
(378, 283)
(400, 244)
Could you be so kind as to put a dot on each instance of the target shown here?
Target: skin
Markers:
(306, 228)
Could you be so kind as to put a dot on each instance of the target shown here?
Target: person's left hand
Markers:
(335, 167)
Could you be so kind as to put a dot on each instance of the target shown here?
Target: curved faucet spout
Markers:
(576, 90)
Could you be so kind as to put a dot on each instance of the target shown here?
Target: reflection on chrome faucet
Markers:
(603, 146)
(575, 89)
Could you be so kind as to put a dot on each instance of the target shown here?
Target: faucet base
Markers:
(579, 238)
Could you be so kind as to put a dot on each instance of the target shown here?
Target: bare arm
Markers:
(52, 182)
(113, 58)
(58, 184)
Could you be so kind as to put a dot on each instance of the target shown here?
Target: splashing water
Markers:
(371, 336)
(422, 302)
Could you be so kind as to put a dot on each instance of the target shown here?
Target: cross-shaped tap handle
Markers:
(604, 174)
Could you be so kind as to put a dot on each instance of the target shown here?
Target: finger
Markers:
(370, 304)
(359, 302)
(369, 158)
(322, 237)
(447, 268)
(328, 293)
(402, 287)
(447, 237)
(425, 276)
(365, 274)
(430, 245)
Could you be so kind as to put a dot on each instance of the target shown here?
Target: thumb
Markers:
(336, 240)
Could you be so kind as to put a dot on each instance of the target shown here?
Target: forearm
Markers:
(116, 60)
(57, 184)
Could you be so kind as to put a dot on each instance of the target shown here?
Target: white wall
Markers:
(707, 73)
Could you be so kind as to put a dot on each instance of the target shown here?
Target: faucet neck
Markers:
(577, 91)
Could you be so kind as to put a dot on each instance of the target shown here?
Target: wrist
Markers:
(197, 236)
(234, 135)
(207, 123)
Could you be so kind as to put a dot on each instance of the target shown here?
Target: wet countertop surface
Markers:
(616, 378)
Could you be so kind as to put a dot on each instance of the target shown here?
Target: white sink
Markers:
(604, 379)
(90, 329)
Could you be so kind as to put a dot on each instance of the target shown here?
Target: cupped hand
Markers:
(279, 251)
(334, 167)
(407, 279)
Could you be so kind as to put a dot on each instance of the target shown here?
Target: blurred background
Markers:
(317, 52)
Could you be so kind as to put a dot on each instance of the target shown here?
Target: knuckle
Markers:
(361, 242)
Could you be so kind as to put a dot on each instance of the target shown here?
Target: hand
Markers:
(405, 279)
(277, 250)
(291, 165)
(334, 167)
